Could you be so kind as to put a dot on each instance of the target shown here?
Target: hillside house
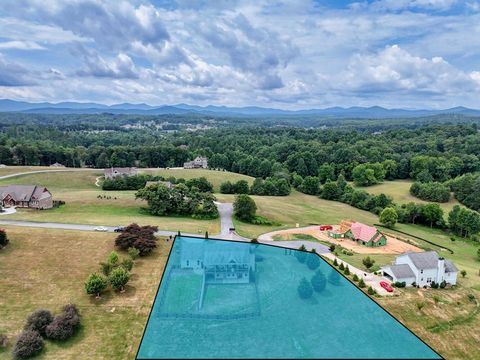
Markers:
(220, 262)
(167, 184)
(421, 268)
(57, 165)
(366, 235)
(199, 162)
(26, 196)
(113, 172)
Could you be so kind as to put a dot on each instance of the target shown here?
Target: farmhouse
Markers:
(220, 262)
(26, 196)
(422, 269)
(199, 162)
(112, 173)
(360, 233)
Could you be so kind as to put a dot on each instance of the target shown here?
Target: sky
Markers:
(284, 54)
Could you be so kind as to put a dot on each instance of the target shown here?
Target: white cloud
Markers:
(21, 45)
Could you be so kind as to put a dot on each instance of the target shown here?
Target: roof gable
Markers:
(364, 232)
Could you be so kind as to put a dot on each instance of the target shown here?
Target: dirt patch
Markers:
(393, 246)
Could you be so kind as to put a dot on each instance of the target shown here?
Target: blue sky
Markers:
(292, 54)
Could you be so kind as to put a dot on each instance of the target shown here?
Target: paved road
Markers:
(309, 245)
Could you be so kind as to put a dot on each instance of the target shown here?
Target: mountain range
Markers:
(7, 105)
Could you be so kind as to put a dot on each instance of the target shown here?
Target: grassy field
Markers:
(83, 205)
(47, 269)
(215, 177)
(298, 208)
(19, 169)
(399, 190)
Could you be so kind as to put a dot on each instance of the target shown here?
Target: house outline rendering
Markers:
(421, 268)
(219, 262)
(26, 196)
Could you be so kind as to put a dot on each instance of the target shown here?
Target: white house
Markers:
(199, 162)
(422, 268)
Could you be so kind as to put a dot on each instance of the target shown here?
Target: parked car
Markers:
(326, 227)
(119, 229)
(386, 286)
(101, 228)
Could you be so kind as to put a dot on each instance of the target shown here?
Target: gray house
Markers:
(199, 162)
(26, 196)
(421, 268)
(113, 172)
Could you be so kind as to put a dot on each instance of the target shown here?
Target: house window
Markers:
(429, 280)
(421, 271)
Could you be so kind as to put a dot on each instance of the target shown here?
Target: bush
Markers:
(95, 284)
(347, 270)
(463, 273)
(434, 285)
(127, 264)
(119, 278)
(305, 290)
(141, 238)
(244, 208)
(370, 291)
(133, 253)
(443, 284)
(341, 267)
(28, 344)
(313, 262)
(318, 281)
(335, 262)
(361, 283)
(368, 262)
(38, 321)
(3, 238)
(3, 341)
(355, 277)
(113, 258)
(65, 324)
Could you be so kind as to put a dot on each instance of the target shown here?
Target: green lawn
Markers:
(46, 269)
(298, 208)
(214, 176)
(399, 190)
(19, 169)
(83, 205)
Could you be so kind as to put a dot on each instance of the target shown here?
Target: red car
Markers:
(386, 286)
(326, 227)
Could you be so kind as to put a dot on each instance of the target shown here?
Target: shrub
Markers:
(113, 258)
(420, 305)
(127, 264)
(140, 237)
(28, 344)
(370, 291)
(463, 273)
(335, 262)
(361, 283)
(133, 253)
(305, 290)
(313, 262)
(434, 285)
(347, 270)
(106, 268)
(341, 267)
(3, 341)
(3, 238)
(38, 321)
(443, 284)
(95, 284)
(318, 281)
(65, 324)
(355, 277)
(332, 248)
(119, 278)
(368, 262)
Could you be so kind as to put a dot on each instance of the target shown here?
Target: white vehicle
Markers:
(101, 228)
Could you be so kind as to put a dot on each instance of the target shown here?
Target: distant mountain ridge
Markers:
(7, 105)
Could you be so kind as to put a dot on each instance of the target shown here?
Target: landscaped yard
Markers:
(43, 268)
(88, 204)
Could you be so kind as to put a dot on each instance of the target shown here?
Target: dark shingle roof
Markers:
(424, 260)
(401, 271)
